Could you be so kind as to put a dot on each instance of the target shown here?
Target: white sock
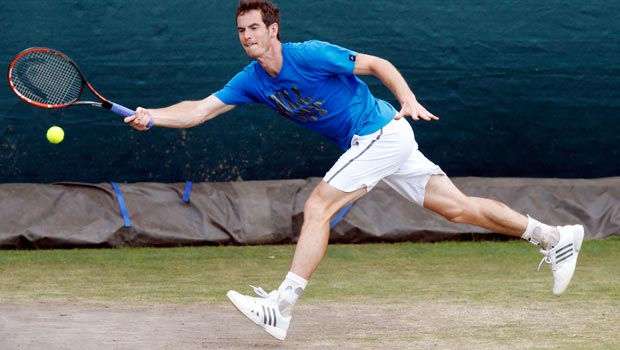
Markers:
(289, 291)
(541, 234)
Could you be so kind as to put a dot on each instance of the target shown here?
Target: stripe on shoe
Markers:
(564, 253)
(269, 316)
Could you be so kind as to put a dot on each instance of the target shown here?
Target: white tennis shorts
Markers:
(390, 154)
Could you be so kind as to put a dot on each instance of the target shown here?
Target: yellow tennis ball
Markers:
(55, 134)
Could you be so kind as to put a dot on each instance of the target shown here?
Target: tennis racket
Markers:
(47, 78)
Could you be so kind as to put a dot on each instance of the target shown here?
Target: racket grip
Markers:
(121, 110)
(126, 112)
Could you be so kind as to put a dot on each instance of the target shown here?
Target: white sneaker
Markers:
(262, 310)
(563, 257)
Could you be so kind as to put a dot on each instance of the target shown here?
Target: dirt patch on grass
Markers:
(373, 325)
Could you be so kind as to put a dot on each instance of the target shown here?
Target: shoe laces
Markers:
(262, 293)
(545, 259)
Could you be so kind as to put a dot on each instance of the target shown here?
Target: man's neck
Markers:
(272, 60)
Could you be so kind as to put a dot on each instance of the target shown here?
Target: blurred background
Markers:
(523, 89)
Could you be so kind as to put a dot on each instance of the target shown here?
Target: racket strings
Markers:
(46, 78)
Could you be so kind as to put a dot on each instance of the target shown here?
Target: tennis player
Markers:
(315, 84)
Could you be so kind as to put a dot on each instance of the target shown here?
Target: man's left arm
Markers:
(393, 80)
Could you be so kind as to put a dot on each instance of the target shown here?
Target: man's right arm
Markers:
(182, 115)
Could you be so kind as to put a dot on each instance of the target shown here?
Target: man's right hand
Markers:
(140, 120)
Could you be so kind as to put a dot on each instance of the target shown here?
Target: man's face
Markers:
(254, 34)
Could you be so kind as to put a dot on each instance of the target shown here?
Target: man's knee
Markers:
(314, 205)
(473, 209)
(457, 215)
(315, 208)
(464, 211)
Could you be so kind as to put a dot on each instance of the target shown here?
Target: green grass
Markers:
(450, 295)
(474, 271)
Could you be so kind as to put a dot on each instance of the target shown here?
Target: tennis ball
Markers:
(55, 134)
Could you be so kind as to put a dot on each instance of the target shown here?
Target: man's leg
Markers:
(324, 202)
(370, 159)
(560, 245)
(444, 198)
(273, 311)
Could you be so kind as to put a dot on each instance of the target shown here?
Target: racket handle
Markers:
(121, 110)
(124, 111)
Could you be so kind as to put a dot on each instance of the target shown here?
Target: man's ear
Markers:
(273, 30)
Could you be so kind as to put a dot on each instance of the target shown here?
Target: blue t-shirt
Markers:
(315, 88)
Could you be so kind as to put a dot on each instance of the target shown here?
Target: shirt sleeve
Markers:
(330, 58)
(236, 92)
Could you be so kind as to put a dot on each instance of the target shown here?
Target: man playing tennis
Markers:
(315, 84)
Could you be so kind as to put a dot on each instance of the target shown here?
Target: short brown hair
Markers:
(269, 11)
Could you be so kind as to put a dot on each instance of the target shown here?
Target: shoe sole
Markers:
(272, 331)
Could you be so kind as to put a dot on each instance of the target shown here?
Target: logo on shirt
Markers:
(292, 104)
